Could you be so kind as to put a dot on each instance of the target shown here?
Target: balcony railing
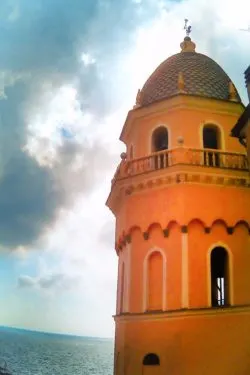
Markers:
(182, 156)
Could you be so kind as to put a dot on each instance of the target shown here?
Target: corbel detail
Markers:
(128, 238)
(165, 232)
(184, 229)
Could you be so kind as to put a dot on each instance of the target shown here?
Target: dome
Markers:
(188, 72)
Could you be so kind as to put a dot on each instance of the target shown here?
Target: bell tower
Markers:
(181, 198)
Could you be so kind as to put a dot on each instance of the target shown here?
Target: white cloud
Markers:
(51, 282)
(60, 117)
(9, 78)
(26, 281)
(88, 59)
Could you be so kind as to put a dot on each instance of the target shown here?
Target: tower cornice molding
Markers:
(139, 184)
(122, 189)
(184, 313)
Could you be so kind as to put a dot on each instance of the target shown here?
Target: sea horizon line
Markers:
(31, 330)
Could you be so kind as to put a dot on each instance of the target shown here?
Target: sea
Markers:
(39, 353)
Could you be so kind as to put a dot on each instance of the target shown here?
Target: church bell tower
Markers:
(181, 198)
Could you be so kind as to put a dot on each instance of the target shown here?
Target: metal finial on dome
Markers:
(187, 28)
(232, 92)
(187, 45)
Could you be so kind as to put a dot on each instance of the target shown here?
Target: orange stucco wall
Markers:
(199, 247)
(195, 344)
(171, 246)
(183, 203)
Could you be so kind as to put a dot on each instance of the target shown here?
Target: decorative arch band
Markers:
(127, 236)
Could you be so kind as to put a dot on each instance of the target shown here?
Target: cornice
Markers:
(206, 312)
(134, 185)
(186, 178)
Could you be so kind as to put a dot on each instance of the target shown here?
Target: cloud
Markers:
(25, 281)
(46, 46)
(63, 73)
(107, 234)
(56, 281)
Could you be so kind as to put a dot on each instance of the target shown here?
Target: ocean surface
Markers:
(35, 353)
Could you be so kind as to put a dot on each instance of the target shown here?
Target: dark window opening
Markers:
(160, 143)
(211, 140)
(219, 277)
(210, 137)
(160, 139)
(151, 359)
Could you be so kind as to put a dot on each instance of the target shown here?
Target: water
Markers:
(32, 353)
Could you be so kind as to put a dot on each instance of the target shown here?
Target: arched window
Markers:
(160, 139)
(219, 277)
(155, 281)
(151, 359)
(122, 288)
(160, 143)
(211, 140)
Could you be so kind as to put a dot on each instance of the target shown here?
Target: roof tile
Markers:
(202, 76)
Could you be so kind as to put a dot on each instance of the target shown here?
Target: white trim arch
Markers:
(230, 276)
(131, 151)
(159, 125)
(145, 278)
(124, 285)
(184, 271)
(121, 286)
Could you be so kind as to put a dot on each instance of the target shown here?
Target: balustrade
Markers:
(182, 156)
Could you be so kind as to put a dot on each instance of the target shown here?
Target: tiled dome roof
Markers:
(201, 76)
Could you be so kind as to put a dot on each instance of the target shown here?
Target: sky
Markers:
(69, 73)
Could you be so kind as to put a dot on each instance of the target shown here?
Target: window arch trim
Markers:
(159, 125)
(216, 125)
(230, 271)
(124, 258)
(122, 280)
(145, 277)
(131, 152)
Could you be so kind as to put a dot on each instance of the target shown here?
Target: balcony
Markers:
(206, 158)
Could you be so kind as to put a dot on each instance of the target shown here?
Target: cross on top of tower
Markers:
(187, 27)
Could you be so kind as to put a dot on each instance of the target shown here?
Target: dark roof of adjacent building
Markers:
(202, 76)
(238, 127)
(247, 75)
